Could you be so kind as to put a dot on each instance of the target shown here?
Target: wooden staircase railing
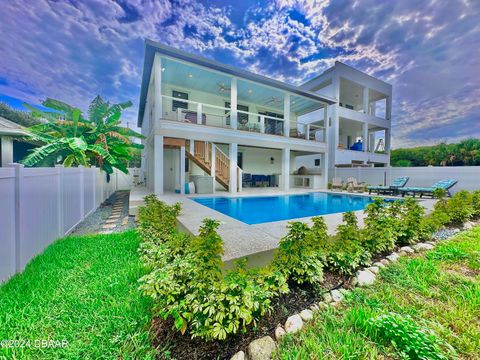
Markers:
(202, 156)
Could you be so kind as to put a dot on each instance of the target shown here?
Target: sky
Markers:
(429, 51)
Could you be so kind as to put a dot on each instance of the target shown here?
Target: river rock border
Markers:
(263, 348)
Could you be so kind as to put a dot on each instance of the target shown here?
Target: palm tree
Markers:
(69, 138)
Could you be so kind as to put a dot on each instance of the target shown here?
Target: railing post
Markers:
(262, 124)
(199, 113)
(213, 166)
(179, 114)
(307, 131)
(240, 179)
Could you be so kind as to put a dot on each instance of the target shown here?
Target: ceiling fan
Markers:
(274, 101)
(222, 88)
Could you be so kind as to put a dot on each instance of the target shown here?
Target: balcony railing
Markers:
(212, 115)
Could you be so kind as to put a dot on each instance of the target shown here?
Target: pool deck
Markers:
(242, 239)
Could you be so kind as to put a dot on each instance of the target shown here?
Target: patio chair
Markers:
(391, 189)
(354, 185)
(442, 184)
(337, 183)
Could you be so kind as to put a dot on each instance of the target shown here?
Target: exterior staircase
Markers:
(202, 156)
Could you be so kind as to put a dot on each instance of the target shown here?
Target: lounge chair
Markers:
(442, 184)
(354, 185)
(392, 189)
(337, 183)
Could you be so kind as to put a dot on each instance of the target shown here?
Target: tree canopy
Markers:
(464, 153)
(70, 138)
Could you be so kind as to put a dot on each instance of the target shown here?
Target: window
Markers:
(176, 104)
(272, 126)
(317, 162)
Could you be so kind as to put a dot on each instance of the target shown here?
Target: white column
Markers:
(388, 108)
(191, 147)
(387, 141)
(365, 137)
(213, 167)
(158, 108)
(158, 164)
(286, 115)
(233, 104)
(7, 150)
(286, 169)
(232, 154)
(365, 100)
(325, 170)
(199, 113)
(182, 169)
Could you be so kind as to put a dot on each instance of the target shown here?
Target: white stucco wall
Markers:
(6, 156)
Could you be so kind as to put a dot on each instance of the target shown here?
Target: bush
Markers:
(382, 224)
(345, 251)
(456, 210)
(186, 281)
(411, 227)
(476, 204)
(298, 256)
(409, 339)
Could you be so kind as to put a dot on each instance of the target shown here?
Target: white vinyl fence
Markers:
(39, 205)
(468, 177)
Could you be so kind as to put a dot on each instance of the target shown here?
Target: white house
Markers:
(360, 120)
(204, 120)
(8, 132)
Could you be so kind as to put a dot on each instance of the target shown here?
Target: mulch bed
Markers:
(173, 345)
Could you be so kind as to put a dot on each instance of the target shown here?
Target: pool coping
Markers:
(241, 239)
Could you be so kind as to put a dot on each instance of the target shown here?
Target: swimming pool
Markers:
(262, 209)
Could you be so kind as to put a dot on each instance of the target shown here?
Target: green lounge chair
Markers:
(442, 184)
(392, 189)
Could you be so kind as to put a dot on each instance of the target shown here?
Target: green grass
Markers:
(82, 289)
(439, 290)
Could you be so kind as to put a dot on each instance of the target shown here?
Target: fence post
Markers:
(94, 187)
(60, 213)
(82, 192)
(18, 214)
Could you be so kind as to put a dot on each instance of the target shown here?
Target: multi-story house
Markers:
(206, 120)
(359, 121)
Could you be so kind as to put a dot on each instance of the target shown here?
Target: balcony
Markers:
(194, 112)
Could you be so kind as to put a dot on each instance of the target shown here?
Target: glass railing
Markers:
(193, 112)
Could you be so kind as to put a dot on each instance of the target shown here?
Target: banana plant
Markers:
(68, 137)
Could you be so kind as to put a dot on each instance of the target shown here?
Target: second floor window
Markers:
(177, 104)
(241, 117)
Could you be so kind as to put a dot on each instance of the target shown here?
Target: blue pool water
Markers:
(262, 209)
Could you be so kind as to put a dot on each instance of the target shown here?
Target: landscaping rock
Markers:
(373, 269)
(336, 295)
(402, 253)
(385, 261)
(279, 332)
(393, 257)
(365, 278)
(293, 324)
(322, 305)
(468, 225)
(238, 356)
(314, 307)
(327, 297)
(261, 349)
(407, 249)
(456, 231)
(422, 247)
(379, 264)
(306, 315)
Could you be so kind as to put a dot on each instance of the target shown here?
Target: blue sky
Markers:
(429, 50)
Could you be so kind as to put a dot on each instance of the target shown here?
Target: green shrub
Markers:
(411, 227)
(409, 339)
(460, 207)
(298, 256)
(186, 281)
(382, 224)
(476, 204)
(345, 251)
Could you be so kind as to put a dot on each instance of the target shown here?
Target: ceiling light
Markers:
(163, 69)
(250, 91)
(190, 75)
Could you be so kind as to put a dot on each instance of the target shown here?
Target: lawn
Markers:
(439, 291)
(82, 289)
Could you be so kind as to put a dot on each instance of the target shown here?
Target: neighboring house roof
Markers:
(152, 47)
(10, 128)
